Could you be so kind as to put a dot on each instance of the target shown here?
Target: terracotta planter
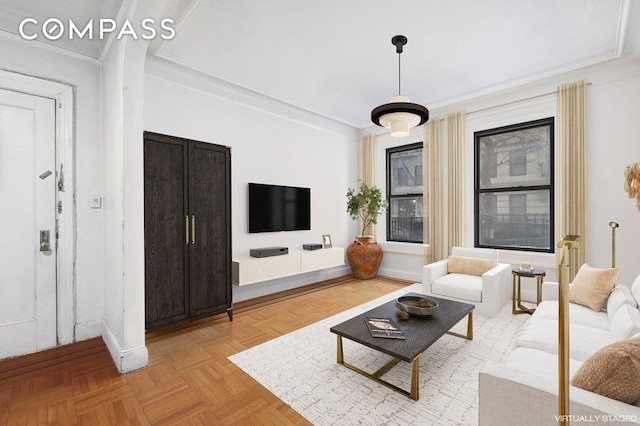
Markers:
(365, 257)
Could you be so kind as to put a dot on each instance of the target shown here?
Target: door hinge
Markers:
(61, 179)
(59, 207)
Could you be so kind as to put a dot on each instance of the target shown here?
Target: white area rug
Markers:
(300, 368)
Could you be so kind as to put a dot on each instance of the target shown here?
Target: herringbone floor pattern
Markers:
(189, 379)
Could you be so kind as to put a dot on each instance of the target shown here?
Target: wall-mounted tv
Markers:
(274, 208)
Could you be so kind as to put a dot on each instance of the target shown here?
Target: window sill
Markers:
(415, 249)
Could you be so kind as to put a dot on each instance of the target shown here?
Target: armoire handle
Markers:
(193, 229)
(186, 229)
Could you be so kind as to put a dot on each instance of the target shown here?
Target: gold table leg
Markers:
(469, 335)
(513, 296)
(517, 296)
(538, 289)
(415, 379)
(414, 392)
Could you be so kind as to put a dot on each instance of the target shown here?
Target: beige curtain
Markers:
(571, 154)
(431, 229)
(456, 179)
(368, 169)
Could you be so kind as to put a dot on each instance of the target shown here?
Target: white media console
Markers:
(250, 270)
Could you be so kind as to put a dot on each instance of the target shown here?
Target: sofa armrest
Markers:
(501, 270)
(508, 396)
(550, 290)
(433, 271)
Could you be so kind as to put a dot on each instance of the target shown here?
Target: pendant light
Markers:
(399, 115)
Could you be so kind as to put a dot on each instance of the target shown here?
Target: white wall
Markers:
(613, 142)
(266, 147)
(41, 61)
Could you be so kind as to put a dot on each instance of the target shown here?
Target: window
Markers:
(514, 187)
(404, 192)
(518, 162)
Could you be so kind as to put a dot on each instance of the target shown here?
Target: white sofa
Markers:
(488, 292)
(523, 389)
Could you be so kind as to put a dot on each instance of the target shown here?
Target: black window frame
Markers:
(390, 197)
(549, 121)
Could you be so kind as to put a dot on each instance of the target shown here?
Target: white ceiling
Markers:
(335, 57)
(12, 12)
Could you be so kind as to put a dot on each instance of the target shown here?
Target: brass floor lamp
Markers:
(613, 226)
(567, 243)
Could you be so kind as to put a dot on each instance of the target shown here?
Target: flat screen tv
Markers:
(274, 208)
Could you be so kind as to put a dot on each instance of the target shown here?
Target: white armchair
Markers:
(466, 282)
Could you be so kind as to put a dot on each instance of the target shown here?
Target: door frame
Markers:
(64, 96)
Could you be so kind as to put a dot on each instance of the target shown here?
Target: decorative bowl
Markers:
(415, 305)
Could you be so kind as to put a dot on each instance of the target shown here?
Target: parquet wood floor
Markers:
(189, 380)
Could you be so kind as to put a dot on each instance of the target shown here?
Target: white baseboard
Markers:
(402, 275)
(126, 360)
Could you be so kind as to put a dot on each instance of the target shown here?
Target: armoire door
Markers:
(165, 231)
(210, 210)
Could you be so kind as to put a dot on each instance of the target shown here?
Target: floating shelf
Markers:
(251, 270)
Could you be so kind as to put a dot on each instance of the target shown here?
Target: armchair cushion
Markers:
(591, 286)
(469, 265)
(460, 286)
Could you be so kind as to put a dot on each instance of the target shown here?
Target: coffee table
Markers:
(420, 333)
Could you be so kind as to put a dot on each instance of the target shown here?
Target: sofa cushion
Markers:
(591, 286)
(625, 323)
(459, 286)
(539, 364)
(613, 371)
(620, 295)
(542, 334)
(578, 314)
(469, 265)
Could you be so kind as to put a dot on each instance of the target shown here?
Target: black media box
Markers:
(312, 246)
(268, 251)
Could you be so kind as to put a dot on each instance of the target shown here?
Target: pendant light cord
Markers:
(399, 73)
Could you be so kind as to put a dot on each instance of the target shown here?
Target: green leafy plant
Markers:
(366, 205)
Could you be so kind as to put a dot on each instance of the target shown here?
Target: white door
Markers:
(27, 207)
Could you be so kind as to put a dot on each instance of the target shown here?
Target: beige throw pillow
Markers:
(592, 286)
(613, 371)
(469, 265)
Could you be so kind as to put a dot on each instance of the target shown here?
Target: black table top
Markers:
(533, 272)
(420, 332)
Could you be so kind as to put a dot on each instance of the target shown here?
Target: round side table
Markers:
(516, 301)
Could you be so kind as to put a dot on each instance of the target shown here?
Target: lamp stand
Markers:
(568, 242)
(613, 226)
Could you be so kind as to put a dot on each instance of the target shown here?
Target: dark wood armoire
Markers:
(187, 230)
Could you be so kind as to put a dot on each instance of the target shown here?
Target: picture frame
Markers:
(326, 241)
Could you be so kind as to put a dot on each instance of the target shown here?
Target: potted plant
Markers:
(365, 255)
